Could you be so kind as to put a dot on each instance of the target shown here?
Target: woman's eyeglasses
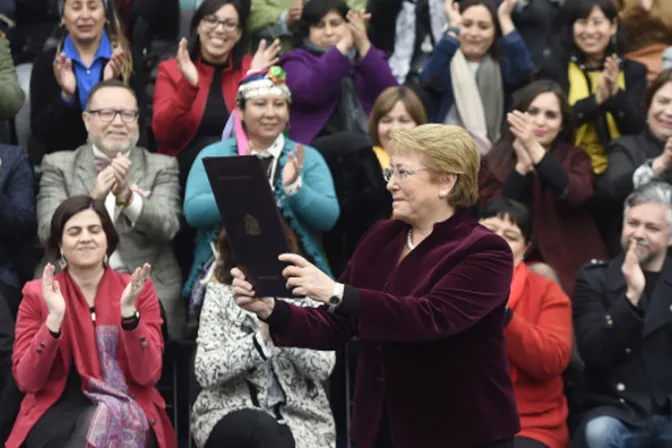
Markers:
(212, 21)
(401, 173)
(107, 115)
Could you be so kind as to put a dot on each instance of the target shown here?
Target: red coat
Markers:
(565, 234)
(538, 345)
(41, 363)
(178, 106)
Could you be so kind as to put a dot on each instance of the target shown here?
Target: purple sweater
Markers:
(315, 83)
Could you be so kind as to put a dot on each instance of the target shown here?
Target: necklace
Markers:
(409, 241)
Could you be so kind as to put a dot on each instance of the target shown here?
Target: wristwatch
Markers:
(336, 296)
(454, 29)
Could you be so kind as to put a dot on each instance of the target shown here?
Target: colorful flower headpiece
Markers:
(267, 82)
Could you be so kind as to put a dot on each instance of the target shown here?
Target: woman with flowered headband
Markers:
(92, 48)
(302, 183)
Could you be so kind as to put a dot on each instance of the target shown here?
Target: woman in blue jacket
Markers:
(468, 78)
(299, 176)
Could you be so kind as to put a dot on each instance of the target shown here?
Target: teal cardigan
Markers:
(312, 210)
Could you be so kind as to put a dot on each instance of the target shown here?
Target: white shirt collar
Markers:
(275, 149)
(98, 153)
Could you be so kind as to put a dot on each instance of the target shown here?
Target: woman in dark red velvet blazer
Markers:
(425, 293)
(535, 163)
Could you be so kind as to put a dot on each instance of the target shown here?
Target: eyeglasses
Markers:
(402, 174)
(212, 21)
(107, 115)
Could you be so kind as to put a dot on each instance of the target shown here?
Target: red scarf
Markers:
(118, 420)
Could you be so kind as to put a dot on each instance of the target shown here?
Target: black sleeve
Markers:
(586, 110)
(619, 172)
(349, 307)
(279, 317)
(6, 340)
(553, 175)
(516, 187)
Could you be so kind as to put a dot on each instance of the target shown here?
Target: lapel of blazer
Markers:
(659, 309)
(138, 166)
(85, 169)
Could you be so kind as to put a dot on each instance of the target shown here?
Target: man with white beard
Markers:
(140, 191)
(623, 322)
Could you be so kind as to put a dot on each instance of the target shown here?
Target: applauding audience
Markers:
(139, 189)
(465, 75)
(334, 73)
(92, 48)
(253, 390)
(88, 344)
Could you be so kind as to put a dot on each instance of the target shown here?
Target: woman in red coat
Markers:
(535, 163)
(537, 332)
(88, 346)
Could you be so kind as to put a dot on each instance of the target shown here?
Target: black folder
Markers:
(251, 220)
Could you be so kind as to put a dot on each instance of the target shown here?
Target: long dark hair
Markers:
(227, 262)
(501, 157)
(581, 9)
(312, 14)
(491, 6)
(209, 7)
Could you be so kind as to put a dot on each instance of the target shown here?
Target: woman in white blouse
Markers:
(255, 395)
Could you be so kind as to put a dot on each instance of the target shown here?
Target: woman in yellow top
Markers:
(396, 108)
(605, 90)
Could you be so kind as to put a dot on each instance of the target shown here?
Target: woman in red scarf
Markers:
(88, 346)
(538, 334)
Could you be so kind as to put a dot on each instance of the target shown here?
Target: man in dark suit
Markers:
(623, 322)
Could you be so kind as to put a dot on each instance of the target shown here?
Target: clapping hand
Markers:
(524, 163)
(104, 183)
(611, 69)
(132, 290)
(522, 127)
(293, 167)
(633, 274)
(185, 64)
(114, 66)
(265, 57)
(663, 162)
(356, 22)
(65, 76)
(121, 166)
(51, 292)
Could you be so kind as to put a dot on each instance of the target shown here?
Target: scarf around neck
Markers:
(118, 421)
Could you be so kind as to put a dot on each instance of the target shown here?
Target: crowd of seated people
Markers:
(569, 102)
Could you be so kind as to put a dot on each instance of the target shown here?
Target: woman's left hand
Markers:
(115, 65)
(356, 21)
(504, 16)
(132, 290)
(304, 279)
(265, 57)
(293, 166)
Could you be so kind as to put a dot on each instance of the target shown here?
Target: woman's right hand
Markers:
(246, 298)
(65, 76)
(51, 293)
(663, 162)
(185, 64)
(524, 163)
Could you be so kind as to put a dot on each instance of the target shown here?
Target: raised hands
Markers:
(633, 274)
(607, 85)
(294, 12)
(185, 64)
(121, 166)
(504, 16)
(130, 295)
(293, 167)
(115, 65)
(65, 76)
(356, 22)
(663, 162)
(51, 293)
(528, 150)
(265, 57)
(452, 10)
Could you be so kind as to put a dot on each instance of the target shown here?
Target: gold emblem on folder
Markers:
(252, 227)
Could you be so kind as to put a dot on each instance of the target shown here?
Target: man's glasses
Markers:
(212, 21)
(107, 115)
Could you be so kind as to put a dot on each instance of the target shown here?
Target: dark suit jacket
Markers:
(432, 354)
(627, 352)
(18, 220)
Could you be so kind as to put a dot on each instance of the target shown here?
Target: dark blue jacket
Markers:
(518, 66)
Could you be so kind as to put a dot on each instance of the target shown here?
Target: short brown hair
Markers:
(104, 85)
(445, 150)
(662, 79)
(386, 102)
(227, 262)
(74, 205)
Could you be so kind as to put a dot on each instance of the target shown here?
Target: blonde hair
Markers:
(115, 31)
(444, 150)
(386, 102)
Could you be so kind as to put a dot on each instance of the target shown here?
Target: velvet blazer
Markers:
(433, 357)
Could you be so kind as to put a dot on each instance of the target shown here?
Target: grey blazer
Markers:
(72, 173)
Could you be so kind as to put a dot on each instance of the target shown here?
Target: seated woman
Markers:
(92, 47)
(537, 332)
(334, 73)
(395, 108)
(298, 174)
(605, 89)
(195, 92)
(535, 163)
(88, 344)
(251, 389)
(468, 80)
(638, 159)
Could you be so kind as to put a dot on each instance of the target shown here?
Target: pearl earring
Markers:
(443, 195)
